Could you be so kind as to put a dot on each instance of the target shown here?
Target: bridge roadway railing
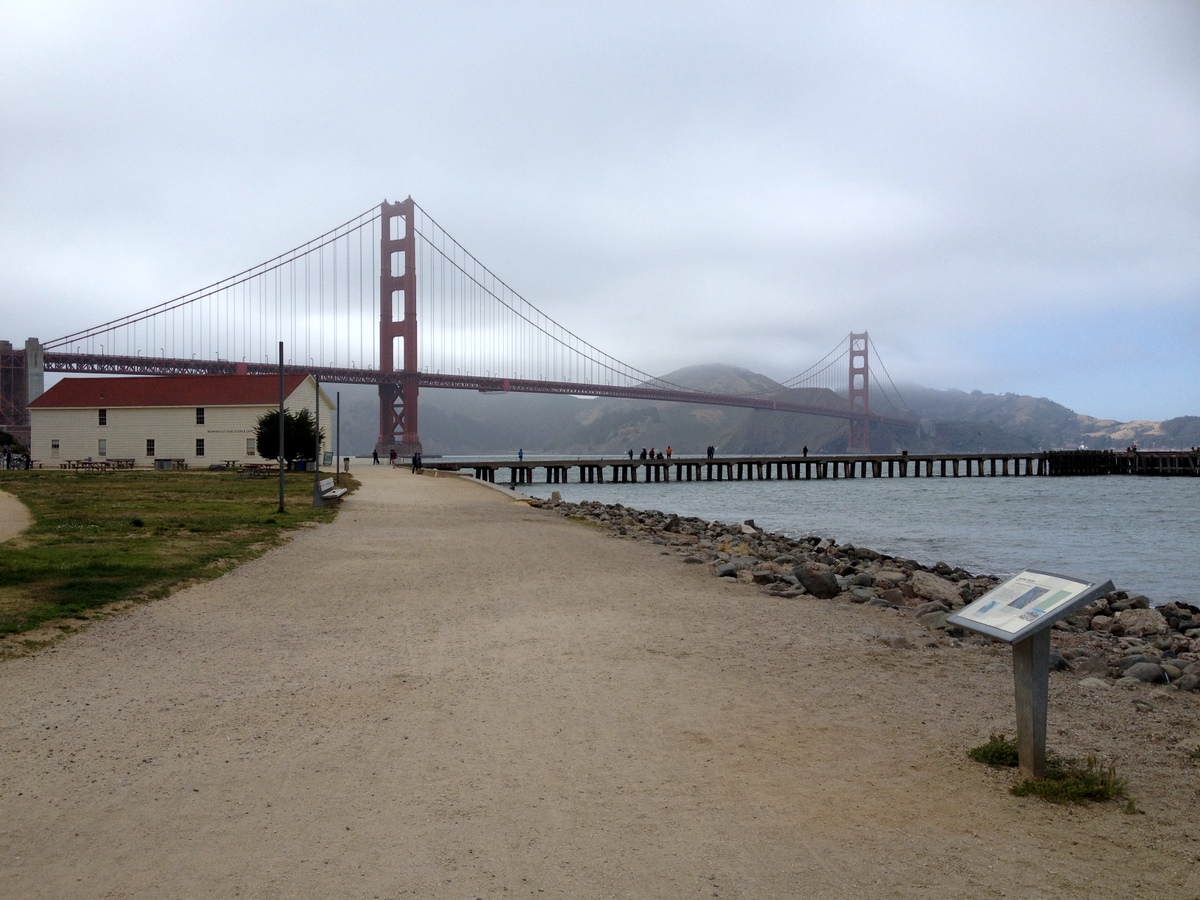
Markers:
(112, 364)
(640, 392)
(793, 468)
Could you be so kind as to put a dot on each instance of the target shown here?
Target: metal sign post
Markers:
(281, 399)
(1020, 612)
(1031, 683)
(317, 448)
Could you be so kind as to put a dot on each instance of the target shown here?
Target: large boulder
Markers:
(818, 580)
(889, 578)
(1141, 622)
(1147, 672)
(861, 595)
(931, 587)
(745, 562)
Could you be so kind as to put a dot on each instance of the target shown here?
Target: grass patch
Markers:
(1070, 781)
(1067, 780)
(136, 536)
(999, 752)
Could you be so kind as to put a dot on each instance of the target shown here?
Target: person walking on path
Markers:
(375, 457)
(392, 458)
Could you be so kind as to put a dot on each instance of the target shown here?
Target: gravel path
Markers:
(14, 517)
(446, 693)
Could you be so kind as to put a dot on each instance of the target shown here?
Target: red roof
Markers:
(167, 390)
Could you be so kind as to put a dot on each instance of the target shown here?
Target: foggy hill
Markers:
(1016, 422)
(466, 422)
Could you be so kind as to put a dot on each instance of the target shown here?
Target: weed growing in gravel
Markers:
(999, 752)
(1067, 780)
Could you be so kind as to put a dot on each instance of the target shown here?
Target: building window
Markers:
(199, 415)
(251, 448)
(149, 446)
(103, 416)
(102, 447)
(54, 448)
(199, 446)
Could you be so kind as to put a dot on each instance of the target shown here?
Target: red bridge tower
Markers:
(860, 406)
(398, 319)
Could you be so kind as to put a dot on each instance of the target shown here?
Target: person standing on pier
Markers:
(630, 454)
(668, 451)
(805, 450)
(521, 455)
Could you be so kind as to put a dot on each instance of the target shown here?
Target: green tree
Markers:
(299, 435)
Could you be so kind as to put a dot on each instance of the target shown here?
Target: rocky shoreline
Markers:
(1116, 640)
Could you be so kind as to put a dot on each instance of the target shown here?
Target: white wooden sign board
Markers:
(1026, 603)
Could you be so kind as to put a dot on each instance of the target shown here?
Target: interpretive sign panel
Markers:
(1021, 611)
(1027, 603)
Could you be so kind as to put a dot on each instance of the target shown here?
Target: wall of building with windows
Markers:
(199, 436)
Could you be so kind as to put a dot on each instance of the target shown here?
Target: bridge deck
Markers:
(792, 468)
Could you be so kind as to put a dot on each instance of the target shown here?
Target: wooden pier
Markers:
(807, 468)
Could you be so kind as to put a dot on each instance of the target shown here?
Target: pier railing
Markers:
(794, 468)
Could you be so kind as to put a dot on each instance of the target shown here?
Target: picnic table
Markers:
(93, 466)
(259, 470)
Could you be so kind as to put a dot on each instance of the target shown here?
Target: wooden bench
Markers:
(325, 492)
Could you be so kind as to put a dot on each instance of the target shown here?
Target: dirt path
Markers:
(448, 694)
(14, 517)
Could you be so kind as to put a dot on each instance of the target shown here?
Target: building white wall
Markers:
(228, 431)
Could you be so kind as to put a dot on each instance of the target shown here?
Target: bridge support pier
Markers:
(859, 395)
(22, 380)
(398, 320)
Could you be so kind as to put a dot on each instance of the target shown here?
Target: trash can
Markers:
(300, 465)
(345, 464)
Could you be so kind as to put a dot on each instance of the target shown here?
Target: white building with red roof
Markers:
(202, 420)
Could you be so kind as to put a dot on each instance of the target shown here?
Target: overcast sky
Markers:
(1005, 195)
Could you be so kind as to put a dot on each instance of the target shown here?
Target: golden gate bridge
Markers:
(389, 298)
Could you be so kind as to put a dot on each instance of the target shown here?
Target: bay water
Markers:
(1142, 533)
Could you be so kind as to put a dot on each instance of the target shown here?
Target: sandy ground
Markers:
(446, 693)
